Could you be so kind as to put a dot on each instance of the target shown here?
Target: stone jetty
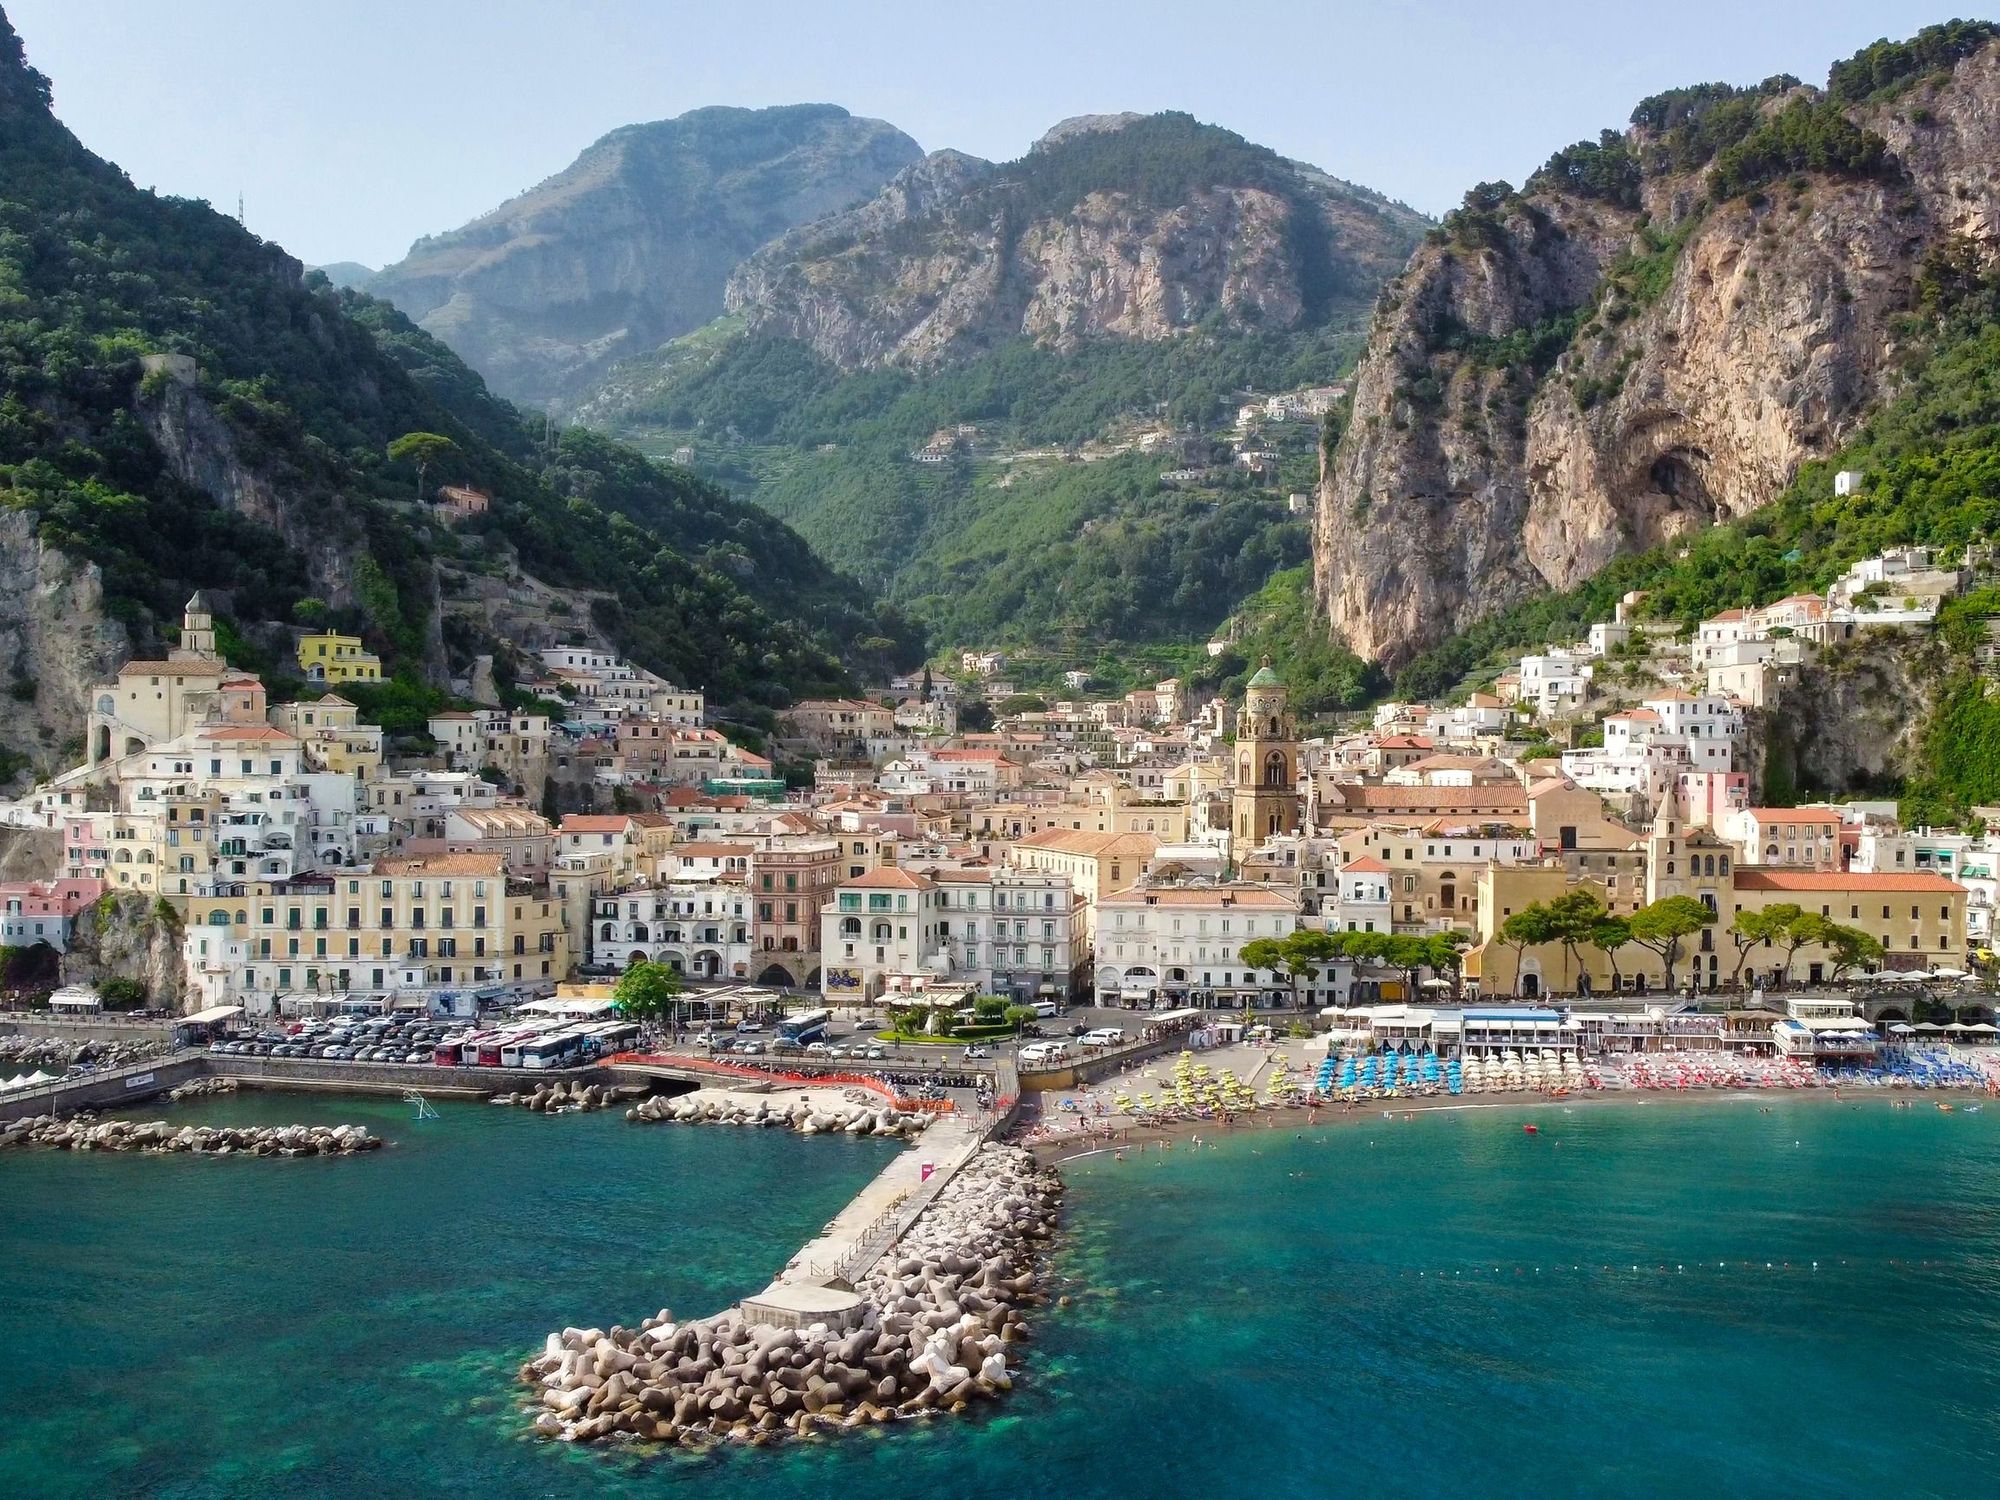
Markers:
(855, 1113)
(939, 1317)
(200, 1088)
(573, 1096)
(160, 1138)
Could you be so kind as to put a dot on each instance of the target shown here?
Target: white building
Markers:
(1018, 933)
(1183, 944)
(699, 927)
(878, 924)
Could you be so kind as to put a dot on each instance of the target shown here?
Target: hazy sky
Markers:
(353, 126)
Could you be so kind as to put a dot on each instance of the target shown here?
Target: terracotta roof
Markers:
(1752, 879)
(1793, 814)
(443, 864)
(887, 878)
(173, 669)
(1500, 796)
(1202, 895)
(1366, 865)
(1082, 841)
(1636, 715)
(254, 733)
(596, 822)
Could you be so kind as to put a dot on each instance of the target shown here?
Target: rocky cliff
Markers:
(1649, 339)
(56, 642)
(128, 937)
(1123, 226)
(631, 244)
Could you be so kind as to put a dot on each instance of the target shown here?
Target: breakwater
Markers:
(161, 1138)
(855, 1114)
(568, 1096)
(927, 1332)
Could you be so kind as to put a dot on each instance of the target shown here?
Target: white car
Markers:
(1104, 1036)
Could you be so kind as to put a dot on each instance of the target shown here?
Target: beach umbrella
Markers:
(1926, 1026)
(1899, 1029)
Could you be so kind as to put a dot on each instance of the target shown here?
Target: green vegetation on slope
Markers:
(993, 549)
(313, 386)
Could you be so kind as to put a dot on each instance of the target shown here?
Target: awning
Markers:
(1046, 989)
(210, 1016)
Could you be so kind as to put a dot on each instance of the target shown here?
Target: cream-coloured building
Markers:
(437, 926)
(1183, 944)
(879, 924)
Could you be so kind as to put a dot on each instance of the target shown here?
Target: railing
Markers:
(867, 1081)
(77, 1080)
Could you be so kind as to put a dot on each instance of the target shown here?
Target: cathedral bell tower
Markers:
(197, 641)
(1265, 797)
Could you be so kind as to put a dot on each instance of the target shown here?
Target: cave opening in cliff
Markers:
(1675, 475)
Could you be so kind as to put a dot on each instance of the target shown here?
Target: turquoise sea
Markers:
(1639, 1300)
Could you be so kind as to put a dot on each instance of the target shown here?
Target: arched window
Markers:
(850, 927)
(1274, 768)
(608, 932)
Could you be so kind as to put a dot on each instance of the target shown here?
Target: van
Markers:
(1104, 1036)
(1045, 1054)
(1046, 1008)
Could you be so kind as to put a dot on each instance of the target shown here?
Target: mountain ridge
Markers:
(1651, 337)
(629, 245)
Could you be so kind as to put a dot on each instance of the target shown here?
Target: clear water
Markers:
(1388, 1308)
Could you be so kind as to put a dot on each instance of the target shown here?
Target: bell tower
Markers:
(1265, 797)
(197, 641)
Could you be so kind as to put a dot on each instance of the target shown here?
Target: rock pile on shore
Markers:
(58, 1054)
(824, 1117)
(157, 1136)
(940, 1314)
(201, 1087)
(561, 1097)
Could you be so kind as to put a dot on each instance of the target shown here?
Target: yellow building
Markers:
(330, 731)
(1097, 864)
(331, 657)
(455, 919)
(1919, 919)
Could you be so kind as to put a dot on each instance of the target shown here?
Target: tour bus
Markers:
(493, 1048)
(450, 1051)
(612, 1036)
(805, 1028)
(551, 1050)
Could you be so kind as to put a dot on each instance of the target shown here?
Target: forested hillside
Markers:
(267, 476)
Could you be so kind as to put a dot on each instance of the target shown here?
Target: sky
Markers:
(352, 127)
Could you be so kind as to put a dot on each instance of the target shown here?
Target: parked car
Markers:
(875, 1054)
(976, 1052)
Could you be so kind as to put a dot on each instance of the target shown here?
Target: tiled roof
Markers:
(1913, 882)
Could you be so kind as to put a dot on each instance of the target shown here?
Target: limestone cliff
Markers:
(128, 937)
(55, 642)
(629, 245)
(1122, 226)
(1562, 375)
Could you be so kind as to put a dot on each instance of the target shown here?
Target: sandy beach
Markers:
(1093, 1126)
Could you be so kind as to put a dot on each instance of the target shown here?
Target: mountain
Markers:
(970, 389)
(630, 245)
(185, 408)
(1112, 226)
(347, 274)
(1653, 336)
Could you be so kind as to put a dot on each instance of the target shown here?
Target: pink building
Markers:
(43, 911)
